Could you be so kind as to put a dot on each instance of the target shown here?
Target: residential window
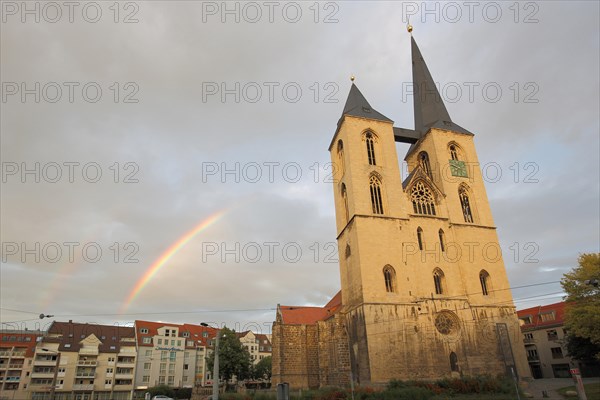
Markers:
(375, 188)
(146, 378)
(532, 354)
(442, 237)
(389, 276)
(161, 380)
(484, 279)
(172, 356)
(420, 237)
(526, 319)
(67, 345)
(179, 343)
(552, 334)
(171, 381)
(144, 330)
(159, 341)
(547, 316)
(438, 281)
(148, 353)
(205, 334)
(465, 204)
(422, 199)
(556, 352)
(171, 368)
(163, 368)
(147, 366)
(108, 382)
(147, 340)
(370, 141)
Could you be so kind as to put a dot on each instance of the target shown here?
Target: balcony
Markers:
(533, 358)
(15, 366)
(12, 379)
(528, 340)
(4, 353)
(88, 386)
(43, 374)
(18, 354)
(85, 374)
(44, 363)
(87, 362)
(126, 375)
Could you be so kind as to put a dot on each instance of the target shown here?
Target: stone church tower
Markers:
(424, 288)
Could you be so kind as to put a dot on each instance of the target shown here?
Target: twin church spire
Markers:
(429, 108)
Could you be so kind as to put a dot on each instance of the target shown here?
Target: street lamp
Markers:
(215, 395)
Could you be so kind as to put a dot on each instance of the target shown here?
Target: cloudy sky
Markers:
(126, 128)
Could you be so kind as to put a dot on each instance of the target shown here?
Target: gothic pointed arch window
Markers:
(439, 281)
(376, 200)
(340, 153)
(465, 204)
(422, 199)
(370, 142)
(424, 163)
(484, 279)
(454, 152)
(442, 237)
(389, 277)
(345, 200)
(453, 362)
(420, 237)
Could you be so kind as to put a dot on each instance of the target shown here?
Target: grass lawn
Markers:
(592, 390)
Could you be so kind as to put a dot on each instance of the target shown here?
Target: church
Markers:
(424, 291)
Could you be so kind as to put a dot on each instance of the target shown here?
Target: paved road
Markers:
(551, 385)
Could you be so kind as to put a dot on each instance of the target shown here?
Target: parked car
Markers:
(161, 397)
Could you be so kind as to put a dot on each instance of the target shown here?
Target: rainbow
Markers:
(166, 255)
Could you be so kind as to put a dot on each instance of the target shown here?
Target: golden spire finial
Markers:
(409, 27)
(352, 78)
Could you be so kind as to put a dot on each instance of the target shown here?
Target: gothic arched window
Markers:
(442, 240)
(340, 150)
(484, 279)
(424, 162)
(453, 362)
(375, 188)
(420, 237)
(439, 281)
(345, 200)
(453, 152)
(370, 140)
(389, 276)
(465, 204)
(422, 199)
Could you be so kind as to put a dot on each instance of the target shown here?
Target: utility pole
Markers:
(215, 395)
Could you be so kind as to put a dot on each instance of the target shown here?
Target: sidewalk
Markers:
(536, 387)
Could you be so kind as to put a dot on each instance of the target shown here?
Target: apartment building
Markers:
(77, 361)
(257, 344)
(16, 355)
(544, 338)
(172, 354)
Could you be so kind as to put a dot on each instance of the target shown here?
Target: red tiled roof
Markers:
(72, 333)
(196, 332)
(310, 315)
(536, 320)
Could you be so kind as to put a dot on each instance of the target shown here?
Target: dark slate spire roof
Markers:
(430, 111)
(358, 106)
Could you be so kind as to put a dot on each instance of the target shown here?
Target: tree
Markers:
(163, 390)
(262, 370)
(582, 319)
(234, 358)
